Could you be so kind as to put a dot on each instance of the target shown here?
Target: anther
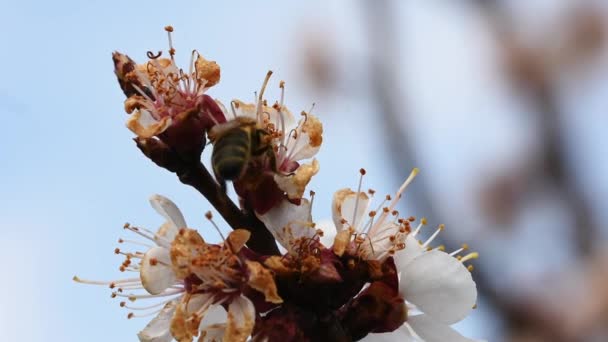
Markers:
(473, 255)
(152, 55)
(117, 250)
(130, 315)
(169, 28)
(362, 171)
(209, 215)
(470, 268)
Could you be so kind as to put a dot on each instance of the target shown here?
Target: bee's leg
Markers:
(272, 159)
(221, 181)
(223, 186)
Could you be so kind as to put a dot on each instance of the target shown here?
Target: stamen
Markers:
(133, 297)
(473, 255)
(169, 29)
(127, 306)
(209, 217)
(282, 86)
(311, 108)
(139, 243)
(312, 200)
(260, 102)
(362, 172)
(439, 229)
(151, 54)
(405, 184)
(97, 282)
(423, 222)
(463, 248)
(132, 315)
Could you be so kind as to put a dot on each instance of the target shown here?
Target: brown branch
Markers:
(196, 175)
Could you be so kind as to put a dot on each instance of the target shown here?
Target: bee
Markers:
(235, 144)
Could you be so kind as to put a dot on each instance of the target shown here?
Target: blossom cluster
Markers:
(367, 275)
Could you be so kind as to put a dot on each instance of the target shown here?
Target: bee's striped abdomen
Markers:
(231, 154)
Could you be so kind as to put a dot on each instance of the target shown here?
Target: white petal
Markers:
(432, 331)
(282, 119)
(412, 250)
(199, 300)
(343, 207)
(329, 232)
(241, 318)
(155, 271)
(399, 335)
(158, 330)
(213, 333)
(295, 184)
(242, 109)
(213, 325)
(440, 286)
(144, 125)
(171, 213)
(215, 315)
(307, 141)
(288, 221)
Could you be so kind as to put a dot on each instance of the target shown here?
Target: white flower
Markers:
(370, 234)
(437, 287)
(191, 295)
(290, 224)
(156, 276)
(293, 141)
(160, 94)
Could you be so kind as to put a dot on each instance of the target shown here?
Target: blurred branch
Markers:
(529, 71)
(385, 89)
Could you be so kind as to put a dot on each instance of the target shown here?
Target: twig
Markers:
(196, 175)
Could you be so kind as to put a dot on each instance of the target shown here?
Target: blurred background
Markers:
(501, 104)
